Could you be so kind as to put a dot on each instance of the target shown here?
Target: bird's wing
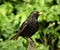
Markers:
(24, 25)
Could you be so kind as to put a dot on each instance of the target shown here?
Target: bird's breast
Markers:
(30, 29)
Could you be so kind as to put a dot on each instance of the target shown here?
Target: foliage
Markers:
(14, 12)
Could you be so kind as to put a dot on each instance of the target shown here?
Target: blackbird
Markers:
(29, 27)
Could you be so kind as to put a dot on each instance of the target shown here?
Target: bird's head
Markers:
(35, 14)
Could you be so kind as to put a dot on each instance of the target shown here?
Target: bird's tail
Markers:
(15, 37)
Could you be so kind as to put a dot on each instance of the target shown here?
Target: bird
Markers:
(29, 27)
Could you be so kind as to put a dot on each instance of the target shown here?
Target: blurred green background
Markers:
(14, 12)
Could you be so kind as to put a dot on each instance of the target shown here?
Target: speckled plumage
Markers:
(29, 27)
